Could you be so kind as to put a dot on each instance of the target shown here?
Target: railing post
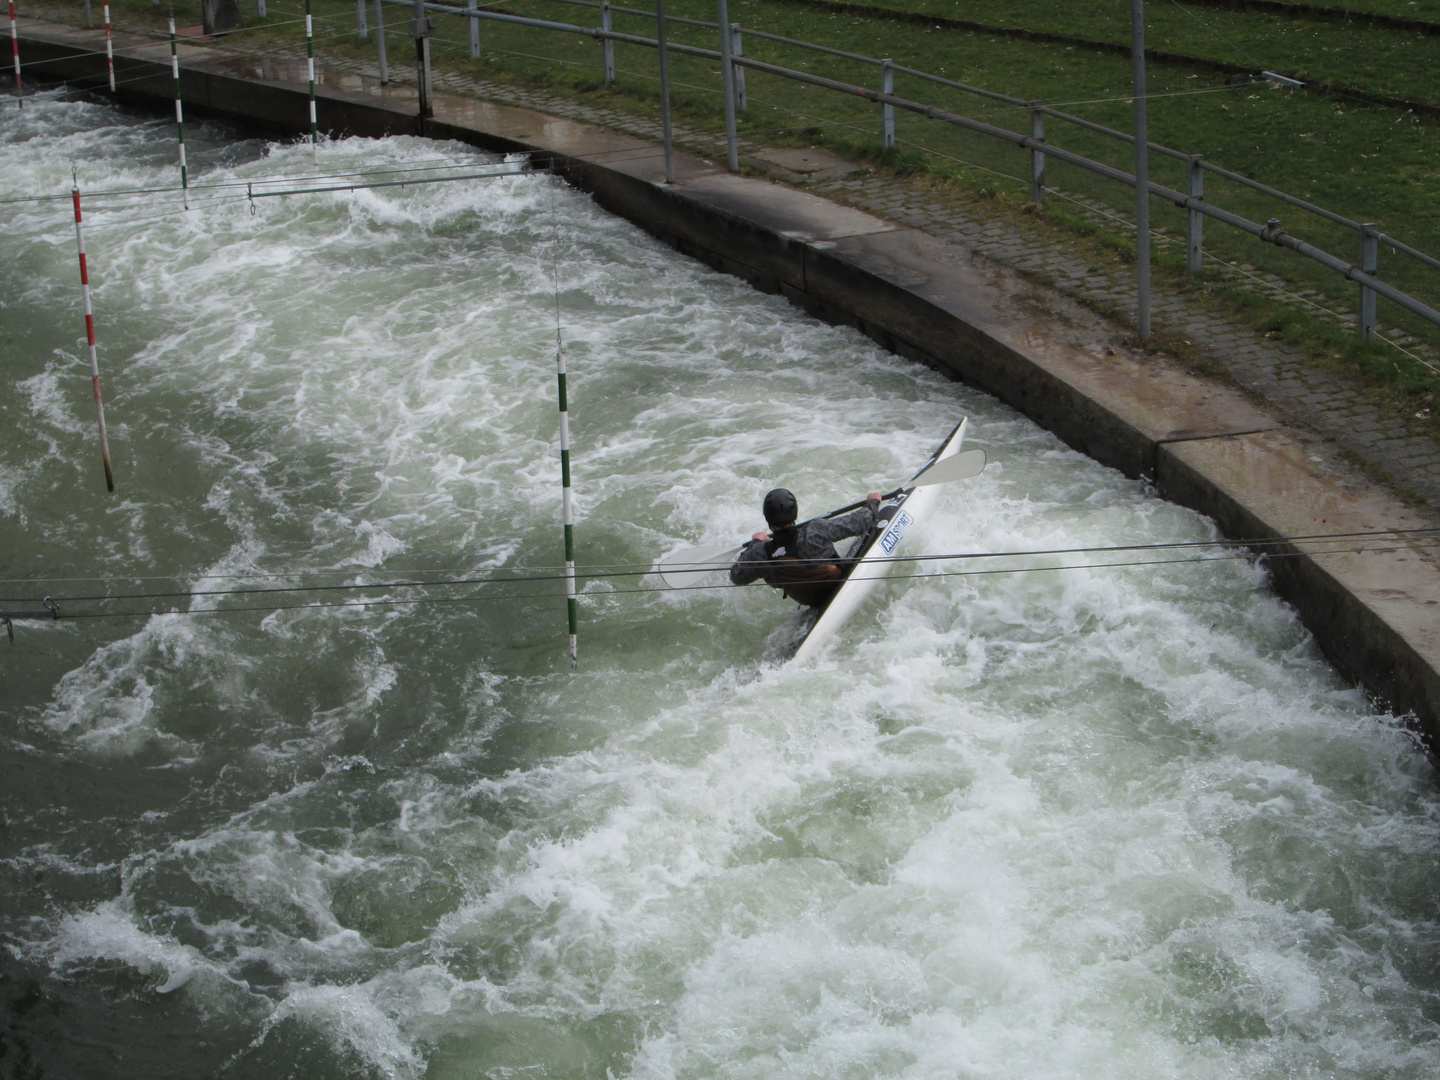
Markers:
(1037, 157)
(1370, 263)
(474, 30)
(887, 112)
(608, 45)
(737, 47)
(1142, 170)
(727, 74)
(379, 42)
(420, 29)
(361, 30)
(89, 17)
(662, 37)
(1195, 229)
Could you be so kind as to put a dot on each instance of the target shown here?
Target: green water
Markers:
(1092, 823)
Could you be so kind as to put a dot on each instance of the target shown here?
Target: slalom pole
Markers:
(310, 54)
(15, 48)
(109, 47)
(179, 115)
(571, 604)
(90, 337)
(567, 499)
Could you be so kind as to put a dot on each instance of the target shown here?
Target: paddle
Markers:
(684, 569)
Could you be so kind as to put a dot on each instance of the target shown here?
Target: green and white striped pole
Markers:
(310, 54)
(567, 500)
(179, 115)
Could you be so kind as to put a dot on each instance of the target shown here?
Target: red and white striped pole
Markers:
(90, 336)
(15, 48)
(109, 47)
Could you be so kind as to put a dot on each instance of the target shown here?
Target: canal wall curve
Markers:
(1376, 615)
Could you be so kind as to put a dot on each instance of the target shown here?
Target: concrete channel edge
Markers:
(1375, 615)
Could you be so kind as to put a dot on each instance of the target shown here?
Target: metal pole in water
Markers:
(179, 116)
(90, 337)
(380, 43)
(1142, 168)
(310, 57)
(109, 47)
(15, 48)
(727, 73)
(665, 91)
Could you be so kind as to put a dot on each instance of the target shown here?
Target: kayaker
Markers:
(801, 560)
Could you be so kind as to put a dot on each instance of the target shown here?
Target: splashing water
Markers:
(1088, 823)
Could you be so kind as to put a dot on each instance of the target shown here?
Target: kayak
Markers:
(869, 557)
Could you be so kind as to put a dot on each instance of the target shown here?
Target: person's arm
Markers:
(750, 565)
(854, 524)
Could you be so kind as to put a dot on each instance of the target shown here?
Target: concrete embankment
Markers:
(1375, 613)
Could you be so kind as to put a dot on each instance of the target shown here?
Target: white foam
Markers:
(1074, 823)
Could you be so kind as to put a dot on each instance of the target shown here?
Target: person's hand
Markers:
(874, 496)
(761, 536)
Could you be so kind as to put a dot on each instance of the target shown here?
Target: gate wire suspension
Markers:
(1347, 543)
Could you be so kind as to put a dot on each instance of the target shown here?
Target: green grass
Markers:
(1369, 163)
(1385, 62)
(1405, 9)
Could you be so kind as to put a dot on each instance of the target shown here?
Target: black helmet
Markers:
(780, 508)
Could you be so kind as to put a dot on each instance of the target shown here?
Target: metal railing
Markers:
(734, 65)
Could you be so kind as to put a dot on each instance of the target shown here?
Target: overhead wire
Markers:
(471, 599)
(1353, 542)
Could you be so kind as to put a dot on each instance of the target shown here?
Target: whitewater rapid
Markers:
(1095, 822)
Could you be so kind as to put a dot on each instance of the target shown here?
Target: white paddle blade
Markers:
(687, 569)
(957, 467)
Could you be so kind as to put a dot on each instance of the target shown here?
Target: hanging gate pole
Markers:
(109, 47)
(15, 48)
(310, 59)
(90, 337)
(571, 605)
(179, 116)
(566, 498)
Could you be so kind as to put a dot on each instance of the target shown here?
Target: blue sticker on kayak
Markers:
(896, 532)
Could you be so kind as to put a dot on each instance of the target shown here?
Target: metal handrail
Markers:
(1406, 249)
(977, 91)
(1276, 193)
(1270, 232)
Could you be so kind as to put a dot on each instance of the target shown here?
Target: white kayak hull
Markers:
(900, 517)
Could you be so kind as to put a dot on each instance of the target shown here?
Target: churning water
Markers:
(1094, 823)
